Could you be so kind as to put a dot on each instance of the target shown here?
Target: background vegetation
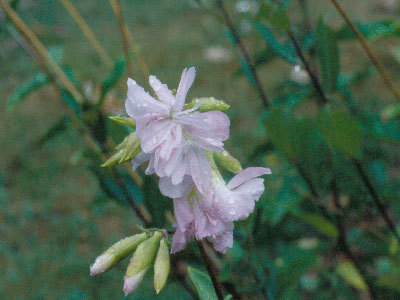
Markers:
(316, 233)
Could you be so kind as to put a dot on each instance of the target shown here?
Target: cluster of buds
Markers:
(148, 248)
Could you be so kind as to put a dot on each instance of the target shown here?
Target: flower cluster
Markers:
(179, 144)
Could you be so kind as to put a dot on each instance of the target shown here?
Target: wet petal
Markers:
(139, 102)
(186, 82)
(223, 242)
(154, 134)
(183, 215)
(140, 159)
(246, 175)
(171, 190)
(178, 241)
(162, 91)
(200, 169)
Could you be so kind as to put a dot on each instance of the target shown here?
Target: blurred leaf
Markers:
(155, 202)
(350, 274)
(274, 14)
(328, 55)
(113, 77)
(57, 53)
(124, 120)
(392, 111)
(19, 94)
(390, 281)
(229, 297)
(341, 131)
(286, 51)
(57, 128)
(70, 101)
(371, 30)
(320, 224)
(296, 262)
(202, 283)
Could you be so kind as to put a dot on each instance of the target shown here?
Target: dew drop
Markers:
(154, 140)
(232, 211)
(231, 200)
(144, 104)
(254, 192)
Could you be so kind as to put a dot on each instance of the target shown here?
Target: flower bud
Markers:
(127, 149)
(124, 120)
(226, 160)
(120, 249)
(161, 266)
(207, 104)
(132, 283)
(143, 255)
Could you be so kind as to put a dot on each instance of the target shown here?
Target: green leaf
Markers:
(351, 275)
(56, 129)
(328, 55)
(71, 102)
(19, 94)
(341, 131)
(203, 284)
(274, 14)
(112, 77)
(229, 297)
(320, 224)
(286, 51)
(371, 30)
(392, 111)
(57, 53)
(390, 281)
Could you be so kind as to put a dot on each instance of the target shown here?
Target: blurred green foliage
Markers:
(55, 209)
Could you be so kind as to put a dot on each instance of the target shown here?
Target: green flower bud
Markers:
(226, 160)
(127, 149)
(120, 249)
(161, 266)
(132, 283)
(124, 120)
(143, 255)
(207, 104)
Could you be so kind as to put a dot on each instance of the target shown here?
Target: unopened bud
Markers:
(120, 249)
(143, 255)
(226, 160)
(127, 149)
(207, 104)
(132, 283)
(161, 266)
(124, 120)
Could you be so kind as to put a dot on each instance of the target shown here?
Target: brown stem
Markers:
(88, 33)
(375, 197)
(368, 50)
(244, 52)
(211, 270)
(314, 79)
(124, 32)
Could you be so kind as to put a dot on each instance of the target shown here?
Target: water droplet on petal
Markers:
(154, 140)
(144, 104)
(231, 200)
(232, 211)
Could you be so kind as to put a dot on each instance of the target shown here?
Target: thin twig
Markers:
(40, 49)
(244, 52)
(368, 50)
(366, 181)
(88, 33)
(321, 96)
(211, 270)
(142, 63)
(116, 5)
(375, 197)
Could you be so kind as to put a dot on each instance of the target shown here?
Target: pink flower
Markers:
(173, 139)
(212, 214)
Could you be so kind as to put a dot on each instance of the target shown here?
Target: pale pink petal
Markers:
(162, 91)
(200, 169)
(154, 134)
(183, 214)
(209, 144)
(180, 170)
(140, 159)
(140, 103)
(172, 141)
(178, 241)
(223, 242)
(202, 224)
(212, 124)
(175, 160)
(150, 168)
(171, 190)
(246, 175)
(186, 82)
